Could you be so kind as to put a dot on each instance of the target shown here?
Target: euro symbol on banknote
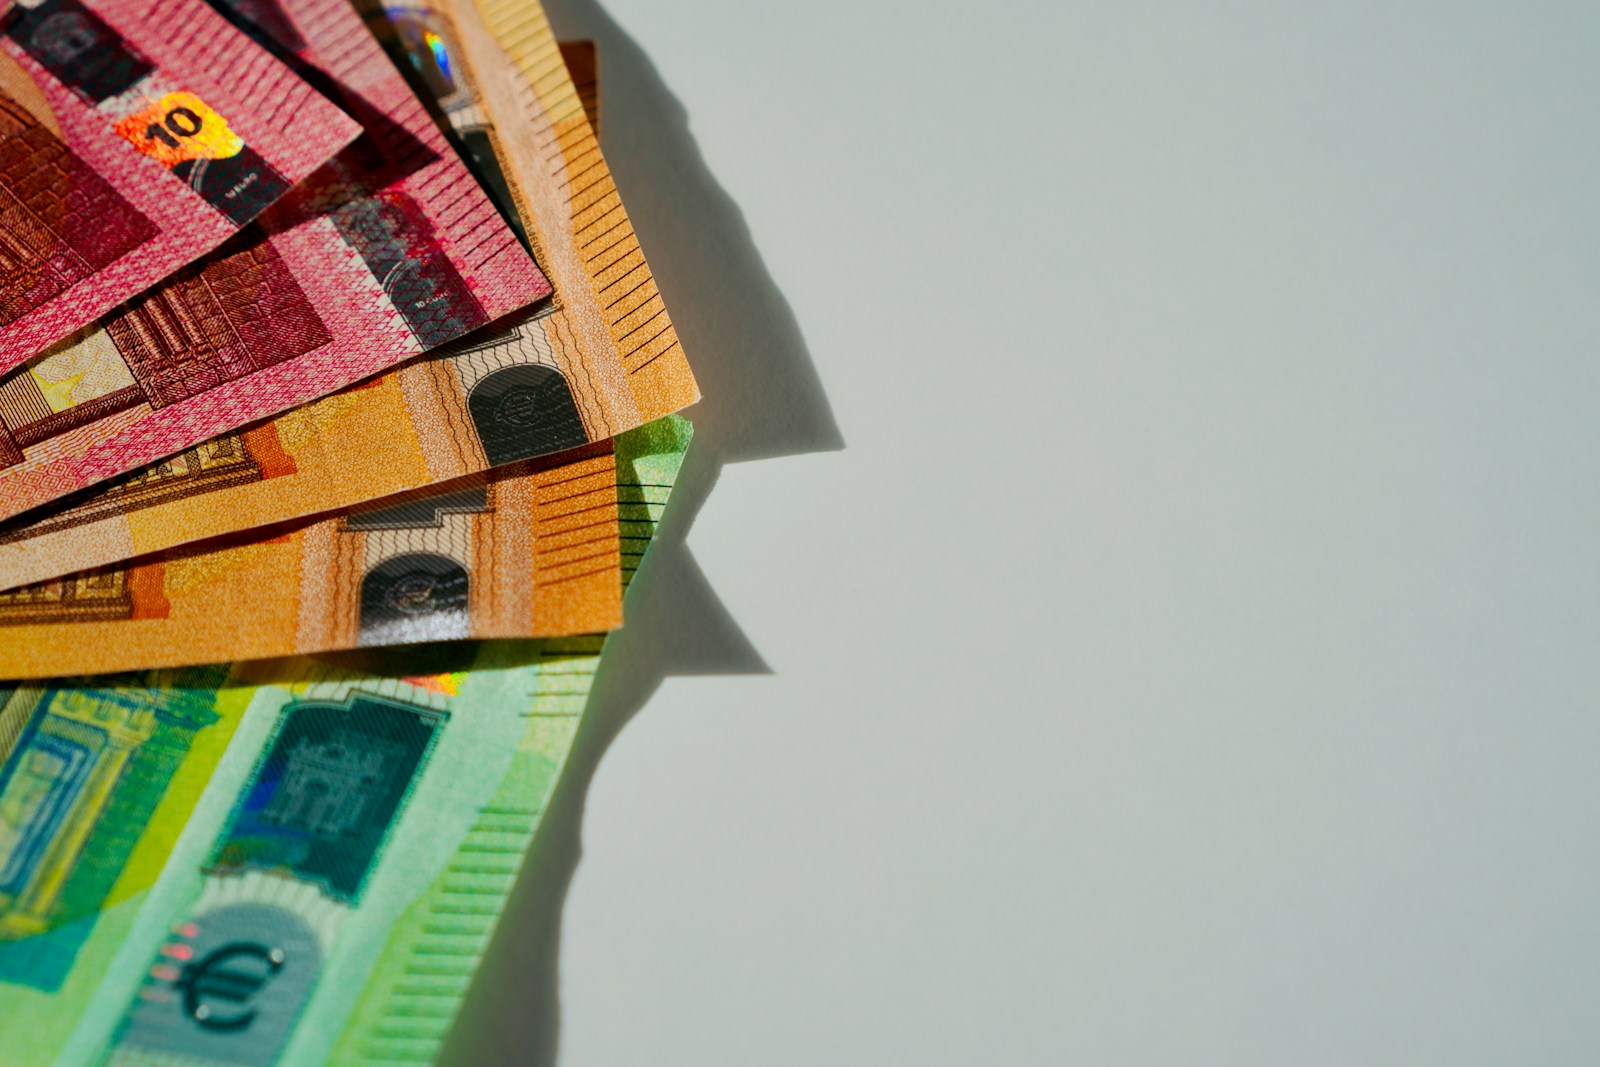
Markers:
(233, 974)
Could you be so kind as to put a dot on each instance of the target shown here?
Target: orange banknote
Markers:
(527, 550)
(597, 358)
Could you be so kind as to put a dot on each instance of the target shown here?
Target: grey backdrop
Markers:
(1134, 596)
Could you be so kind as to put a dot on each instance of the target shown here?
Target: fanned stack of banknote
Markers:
(337, 409)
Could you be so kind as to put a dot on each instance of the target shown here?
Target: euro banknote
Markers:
(293, 862)
(497, 72)
(391, 250)
(539, 383)
(134, 138)
(526, 550)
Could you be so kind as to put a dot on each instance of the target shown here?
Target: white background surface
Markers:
(1190, 655)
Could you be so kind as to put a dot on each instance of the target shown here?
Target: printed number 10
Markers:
(180, 121)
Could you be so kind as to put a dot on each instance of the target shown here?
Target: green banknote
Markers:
(290, 862)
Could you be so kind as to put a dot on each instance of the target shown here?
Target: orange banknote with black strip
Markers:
(527, 550)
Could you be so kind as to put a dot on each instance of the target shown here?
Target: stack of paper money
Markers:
(336, 412)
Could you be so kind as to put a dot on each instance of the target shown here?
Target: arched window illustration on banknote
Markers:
(415, 561)
(290, 867)
(421, 596)
(525, 411)
(519, 400)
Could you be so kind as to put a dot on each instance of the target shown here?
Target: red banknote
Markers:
(390, 250)
(134, 139)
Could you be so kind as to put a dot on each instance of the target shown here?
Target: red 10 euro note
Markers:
(134, 139)
(387, 252)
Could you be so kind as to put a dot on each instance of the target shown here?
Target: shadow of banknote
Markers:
(763, 400)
